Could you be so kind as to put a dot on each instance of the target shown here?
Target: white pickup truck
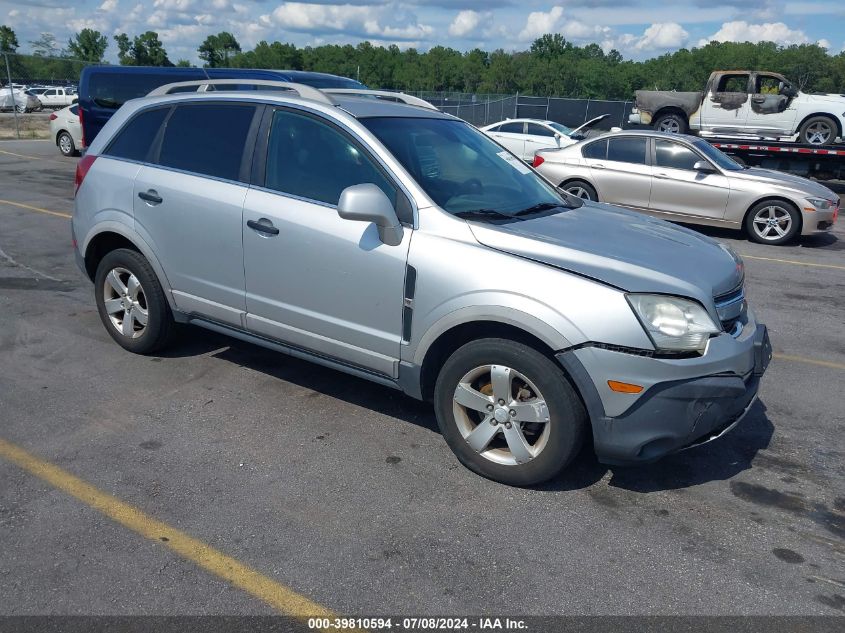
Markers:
(742, 103)
(58, 98)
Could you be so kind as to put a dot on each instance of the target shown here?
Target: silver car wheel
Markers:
(125, 302)
(65, 144)
(819, 133)
(669, 125)
(501, 415)
(772, 222)
(578, 192)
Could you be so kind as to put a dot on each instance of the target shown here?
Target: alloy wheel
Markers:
(125, 302)
(772, 222)
(669, 125)
(65, 144)
(501, 414)
(819, 133)
(578, 192)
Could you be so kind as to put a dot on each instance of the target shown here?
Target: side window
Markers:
(74, 109)
(675, 155)
(189, 143)
(495, 128)
(513, 128)
(313, 160)
(767, 85)
(539, 130)
(50, 93)
(627, 150)
(133, 142)
(596, 150)
(733, 83)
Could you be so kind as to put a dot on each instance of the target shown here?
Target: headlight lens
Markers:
(673, 323)
(820, 203)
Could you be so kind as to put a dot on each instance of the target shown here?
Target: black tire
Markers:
(160, 326)
(812, 131)
(777, 210)
(671, 122)
(70, 148)
(567, 418)
(581, 189)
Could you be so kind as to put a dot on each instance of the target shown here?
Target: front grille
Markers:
(732, 310)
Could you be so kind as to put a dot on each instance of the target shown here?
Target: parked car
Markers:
(524, 137)
(685, 179)
(14, 99)
(66, 130)
(58, 98)
(745, 103)
(524, 313)
(103, 89)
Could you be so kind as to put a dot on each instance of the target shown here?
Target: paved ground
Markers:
(345, 492)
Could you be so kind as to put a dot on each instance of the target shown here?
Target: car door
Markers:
(50, 98)
(726, 106)
(313, 279)
(189, 203)
(622, 173)
(678, 189)
(512, 136)
(538, 137)
(770, 112)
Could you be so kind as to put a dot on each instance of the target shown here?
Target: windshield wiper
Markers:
(480, 214)
(543, 206)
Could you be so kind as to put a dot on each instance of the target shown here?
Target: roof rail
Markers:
(203, 85)
(386, 95)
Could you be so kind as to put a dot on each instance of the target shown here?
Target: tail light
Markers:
(82, 168)
(81, 125)
(538, 160)
(53, 116)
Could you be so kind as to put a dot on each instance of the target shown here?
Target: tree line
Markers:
(552, 66)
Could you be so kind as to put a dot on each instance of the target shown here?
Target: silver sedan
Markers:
(685, 179)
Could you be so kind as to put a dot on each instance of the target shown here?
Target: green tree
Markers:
(143, 50)
(88, 45)
(183, 63)
(216, 50)
(8, 40)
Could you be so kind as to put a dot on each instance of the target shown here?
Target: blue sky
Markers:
(637, 28)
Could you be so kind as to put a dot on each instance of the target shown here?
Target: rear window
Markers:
(596, 150)
(133, 142)
(627, 150)
(207, 139)
(112, 90)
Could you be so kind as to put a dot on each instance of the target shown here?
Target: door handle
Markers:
(597, 166)
(150, 196)
(758, 99)
(263, 227)
(663, 176)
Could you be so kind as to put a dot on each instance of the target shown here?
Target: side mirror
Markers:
(368, 203)
(704, 167)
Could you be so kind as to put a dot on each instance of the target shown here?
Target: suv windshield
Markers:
(462, 170)
(720, 158)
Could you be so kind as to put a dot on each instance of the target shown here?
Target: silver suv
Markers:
(385, 239)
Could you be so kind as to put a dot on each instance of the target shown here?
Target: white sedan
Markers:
(66, 130)
(523, 137)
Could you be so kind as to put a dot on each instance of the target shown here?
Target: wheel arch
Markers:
(572, 179)
(669, 110)
(63, 131)
(826, 115)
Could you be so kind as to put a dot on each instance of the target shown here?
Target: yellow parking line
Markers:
(278, 596)
(20, 155)
(792, 261)
(809, 361)
(38, 209)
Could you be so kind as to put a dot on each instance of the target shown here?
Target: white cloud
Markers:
(108, 6)
(464, 23)
(541, 22)
(742, 31)
(662, 36)
(366, 20)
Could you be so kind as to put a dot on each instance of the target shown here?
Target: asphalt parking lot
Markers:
(343, 493)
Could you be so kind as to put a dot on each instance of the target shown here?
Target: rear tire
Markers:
(818, 130)
(66, 144)
(772, 222)
(671, 123)
(508, 412)
(581, 189)
(131, 302)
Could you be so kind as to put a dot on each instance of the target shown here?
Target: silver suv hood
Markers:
(622, 248)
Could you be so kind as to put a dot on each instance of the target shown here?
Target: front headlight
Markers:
(820, 203)
(673, 323)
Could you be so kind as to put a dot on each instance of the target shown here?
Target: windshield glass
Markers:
(560, 128)
(462, 170)
(721, 159)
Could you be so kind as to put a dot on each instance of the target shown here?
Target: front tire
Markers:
(818, 130)
(772, 222)
(581, 189)
(131, 302)
(508, 412)
(66, 144)
(671, 123)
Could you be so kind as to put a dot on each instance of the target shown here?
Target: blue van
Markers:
(103, 89)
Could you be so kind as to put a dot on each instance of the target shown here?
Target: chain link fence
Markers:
(24, 79)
